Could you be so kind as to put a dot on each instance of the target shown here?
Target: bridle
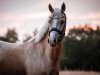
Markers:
(62, 32)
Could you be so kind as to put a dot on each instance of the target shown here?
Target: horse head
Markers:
(57, 21)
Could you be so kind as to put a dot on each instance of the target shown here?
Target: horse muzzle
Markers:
(52, 43)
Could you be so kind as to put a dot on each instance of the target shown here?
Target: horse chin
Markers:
(53, 45)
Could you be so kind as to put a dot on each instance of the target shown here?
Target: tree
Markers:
(28, 37)
(81, 49)
(10, 36)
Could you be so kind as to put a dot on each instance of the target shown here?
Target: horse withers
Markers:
(40, 54)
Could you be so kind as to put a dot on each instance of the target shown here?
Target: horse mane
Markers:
(38, 37)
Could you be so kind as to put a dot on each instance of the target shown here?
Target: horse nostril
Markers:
(54, 40)
(48, 40)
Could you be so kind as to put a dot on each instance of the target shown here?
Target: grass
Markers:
(79, 73)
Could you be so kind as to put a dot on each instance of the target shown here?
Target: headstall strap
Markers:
(61, 33)
(55, 29)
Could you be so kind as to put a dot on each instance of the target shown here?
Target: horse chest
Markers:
(37, 64)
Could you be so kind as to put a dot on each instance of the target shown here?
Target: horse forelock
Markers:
(57, 11)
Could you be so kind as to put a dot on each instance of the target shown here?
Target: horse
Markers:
(40, 54)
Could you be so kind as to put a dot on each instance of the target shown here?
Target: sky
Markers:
(27, 15)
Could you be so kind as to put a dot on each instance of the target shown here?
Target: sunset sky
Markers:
(26, 15)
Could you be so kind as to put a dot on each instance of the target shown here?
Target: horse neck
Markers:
(53, 52)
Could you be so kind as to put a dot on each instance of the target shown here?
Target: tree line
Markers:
(81, 49)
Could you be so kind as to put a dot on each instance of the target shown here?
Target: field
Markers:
(79, 73)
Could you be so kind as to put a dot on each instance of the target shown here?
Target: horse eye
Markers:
(62, 22)
(50, 21)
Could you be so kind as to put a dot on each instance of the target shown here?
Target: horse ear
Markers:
(51, 8)
(63, 8)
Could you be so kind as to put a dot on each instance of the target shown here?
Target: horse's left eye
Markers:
(49, 20)
(62, 22)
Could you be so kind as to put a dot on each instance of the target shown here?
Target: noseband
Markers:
(61, 33)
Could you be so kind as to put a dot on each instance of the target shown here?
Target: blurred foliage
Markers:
(28, 37)
(81, 49)
(10, 36)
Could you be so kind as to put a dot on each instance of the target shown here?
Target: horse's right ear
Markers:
(63, 8)
(51, 8)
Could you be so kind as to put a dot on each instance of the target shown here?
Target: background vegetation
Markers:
(10, 36)
(81, 49)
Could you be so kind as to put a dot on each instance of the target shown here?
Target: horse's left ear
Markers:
(63, 8)
(51, 8)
